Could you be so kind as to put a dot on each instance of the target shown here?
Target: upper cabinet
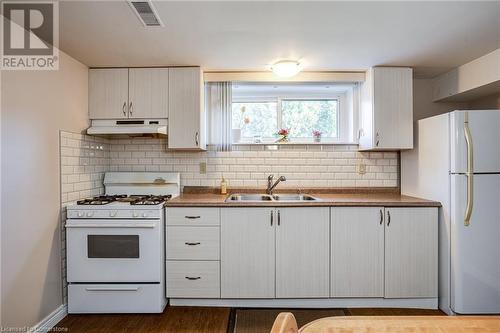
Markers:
(135, 93)
(108, 93)
(186, 123)
(148, 92)
(152, 93)
(386, 112)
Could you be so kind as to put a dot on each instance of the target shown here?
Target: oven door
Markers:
(114, 250)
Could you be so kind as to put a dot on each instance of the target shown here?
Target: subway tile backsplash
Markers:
(305, 166)
(83, 161)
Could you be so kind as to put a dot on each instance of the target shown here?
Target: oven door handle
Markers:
(103, 225)
(112, 289)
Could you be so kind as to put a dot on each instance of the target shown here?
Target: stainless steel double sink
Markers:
(270, 198)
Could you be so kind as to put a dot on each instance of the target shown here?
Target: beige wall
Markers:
(488, 102)
(424, 107)
(35, 106)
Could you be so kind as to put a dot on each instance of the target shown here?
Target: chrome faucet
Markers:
(271, 186)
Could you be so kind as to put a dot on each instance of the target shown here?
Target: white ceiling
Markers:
(432, 37)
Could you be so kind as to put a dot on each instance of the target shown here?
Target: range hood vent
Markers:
(143, 127)
(146, 13)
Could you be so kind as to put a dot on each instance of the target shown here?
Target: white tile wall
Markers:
(306, 166)
(84, 159)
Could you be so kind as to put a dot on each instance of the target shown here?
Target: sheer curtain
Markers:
(218, 103)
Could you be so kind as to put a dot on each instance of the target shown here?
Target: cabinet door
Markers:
(357, 267)
(186, 113)
(302, 252)
(411, 255)
(108, 93)
(365, 133)
(247, 253)
(148, 93)
(393, 108)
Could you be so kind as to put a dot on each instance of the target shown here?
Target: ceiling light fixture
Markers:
(286, 68)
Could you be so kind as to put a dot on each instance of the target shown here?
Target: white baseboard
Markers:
(420, 303)
(51, 320)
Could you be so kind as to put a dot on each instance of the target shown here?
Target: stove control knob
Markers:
(90, 214)
(144, 214)
(112, 214)
(135, 214)
(80, 214)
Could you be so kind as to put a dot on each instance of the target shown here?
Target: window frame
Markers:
(342, 116)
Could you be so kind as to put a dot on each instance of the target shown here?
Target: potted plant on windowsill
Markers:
(283, 135)
(317, 135)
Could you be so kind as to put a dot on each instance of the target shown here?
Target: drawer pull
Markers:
(192, 217)
(192, 244)
(193, 278)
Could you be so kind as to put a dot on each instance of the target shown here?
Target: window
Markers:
(260, 110)
(303, 117)
(255, 118)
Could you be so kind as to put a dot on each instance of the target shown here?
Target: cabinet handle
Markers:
(130, 108)
(192, 217)
(193, 277)
(272, 218)
(192, 244)
(279, 218)
(388, 218)
(378, 139)
(196, 138)
(381, 217)
(123, 108)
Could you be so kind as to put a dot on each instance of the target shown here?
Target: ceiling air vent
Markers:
(146, 13)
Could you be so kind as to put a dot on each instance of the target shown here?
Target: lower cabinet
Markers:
(247, 253)
(411, 252)
(192, 252)
(275, 253)
(384, 252)
(302, 252)
(357, 256)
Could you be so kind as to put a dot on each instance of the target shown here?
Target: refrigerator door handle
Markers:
(470, 171)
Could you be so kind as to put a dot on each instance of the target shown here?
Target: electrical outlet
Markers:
(361, 169)
(203, 168)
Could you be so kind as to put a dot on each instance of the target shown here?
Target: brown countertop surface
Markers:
(326, 199)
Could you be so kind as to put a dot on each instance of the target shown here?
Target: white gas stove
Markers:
(116, 245)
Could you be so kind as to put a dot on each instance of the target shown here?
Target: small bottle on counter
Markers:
(223, 186)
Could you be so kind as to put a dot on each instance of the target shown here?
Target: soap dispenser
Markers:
(223, 186)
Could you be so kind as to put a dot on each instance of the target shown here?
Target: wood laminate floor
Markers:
(173, 319)
(199, 320)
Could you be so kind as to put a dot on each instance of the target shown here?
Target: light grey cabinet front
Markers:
(302, 252)
(247, 253)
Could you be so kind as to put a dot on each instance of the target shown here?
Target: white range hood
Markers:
(128, 127)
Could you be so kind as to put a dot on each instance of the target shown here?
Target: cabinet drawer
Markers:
(193, 279)
(193, 216)
(192, 243)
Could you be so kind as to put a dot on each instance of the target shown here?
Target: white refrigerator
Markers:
(456, 161)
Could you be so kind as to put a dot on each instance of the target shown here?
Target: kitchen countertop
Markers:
(326, 199)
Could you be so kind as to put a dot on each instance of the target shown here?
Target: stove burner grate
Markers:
(100, 200)
(133, 199)
(151, 199)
